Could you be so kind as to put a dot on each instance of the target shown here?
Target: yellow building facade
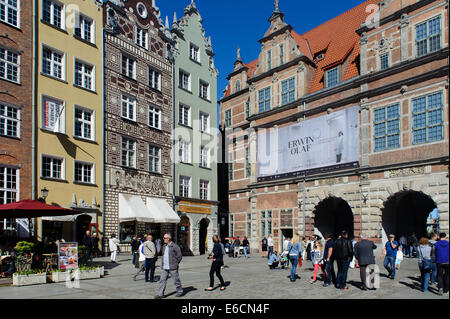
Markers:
(69, 95)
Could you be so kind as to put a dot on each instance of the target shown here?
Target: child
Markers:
(317, 250)
(399, 258)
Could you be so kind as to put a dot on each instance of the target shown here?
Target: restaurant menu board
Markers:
(68, 256)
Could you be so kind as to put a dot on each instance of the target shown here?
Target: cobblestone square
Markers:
(248, 279)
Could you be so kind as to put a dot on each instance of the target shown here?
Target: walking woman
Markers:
(217, 258)
(295, 251)
(317, 261)
(424, 252)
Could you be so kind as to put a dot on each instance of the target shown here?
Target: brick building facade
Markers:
(395, 71)
(16, 104)
(138, 113)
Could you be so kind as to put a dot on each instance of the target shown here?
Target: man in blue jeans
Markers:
(390, 249)
(343, 252)
(328, 260)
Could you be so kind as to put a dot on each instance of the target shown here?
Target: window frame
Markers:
(63, 167)
(92, 175)
(204, 157)
(84, 65)
(182, 75)
(196, 56)
(54, 3)
(158, 157)
(203, 189)
(129, 97)
(201, 89)
(426, 112)
(17, 10)
(204, 127)
(228, 120)
(428, 37)
(182, 186)
(7, 119)
(62, 118)
(151, 111)
(184, 152)
(79, 24)
(139, 35)
(182, 112)
(289, 91)
(127, 69)
(387, 55)
(328, 76)
(386, 134)
(267, 99)
(5, 189)
(13, 65)
(152, 75)
(53, 62)
(128, 150)
(84, 122)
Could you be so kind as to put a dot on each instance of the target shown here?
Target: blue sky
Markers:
(242, 23)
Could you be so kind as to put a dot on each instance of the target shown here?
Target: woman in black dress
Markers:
(217, 257)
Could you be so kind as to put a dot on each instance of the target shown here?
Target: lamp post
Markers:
(44, 193)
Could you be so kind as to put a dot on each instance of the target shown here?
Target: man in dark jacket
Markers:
(364, 254)
(343, 252)
(87, 242)
(412, 244)
(171, 258)
(134, 248)
(442, 262)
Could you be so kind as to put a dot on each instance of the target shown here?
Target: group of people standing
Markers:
(234, 247)
(90, 242)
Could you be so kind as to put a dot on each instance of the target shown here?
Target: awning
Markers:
(132, 208)
(33, 209)
(163, 213)
(72, 218)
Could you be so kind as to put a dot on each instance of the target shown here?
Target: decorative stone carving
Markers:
(138, 183)
(364, 38)
(385, 44)
(407, 171)
(404, 21)
(275, 77)
(300, 67)
(363, 104)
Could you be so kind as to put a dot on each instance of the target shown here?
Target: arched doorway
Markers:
(184, 235)
(406, 212)
(333, 215)
(204, 223)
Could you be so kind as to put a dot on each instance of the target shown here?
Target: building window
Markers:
(52, 167)
(204, 187)
(288, 91)
(387, 128)
(129, 107)
(248, 166)
(269, 60)
(264, 99)
(9, 12)
(84, 123)
(9, 65)
(231, 225)
(84, 28)
(194, 53)
(266, 223)
(53, 63)
(204, 122)
(154, 117)
(247, 109)
(9, 121)
(332, 77)
(249, 225)
(8, 184)
(185, 115)
(154, 79)
(228, 118)
(384, 61)
(128, 67)
(154, 159)
(428, 118)
(141, 38)
(52, 12)
(184, 152)
(230, 165)
(204, 156)
(237, 86)
(281, 54)
(84, 75)
(53, 115)
(84, 173)
(204, 90)
(428, 36)
(185, 183)
(185, 81)
(128, 152)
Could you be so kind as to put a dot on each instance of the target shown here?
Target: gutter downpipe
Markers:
(34, 111)
(304, 185)
(103, 138)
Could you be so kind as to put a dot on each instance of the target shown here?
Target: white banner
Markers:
(327, 142)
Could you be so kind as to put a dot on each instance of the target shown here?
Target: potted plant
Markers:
(88, 272)
(29, 277)
(60, 275)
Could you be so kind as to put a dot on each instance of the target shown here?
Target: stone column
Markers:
(300, 80)
(253, 108)
(363, 52)
(404, 24)
(365, 132)
(254, 240)
(276, 99)
(253, 138)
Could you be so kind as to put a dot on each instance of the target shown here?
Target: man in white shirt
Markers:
(141, 259)
(270, 245)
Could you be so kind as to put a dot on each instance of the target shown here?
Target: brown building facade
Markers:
(16, 108)
(393, 72)
(138, 116)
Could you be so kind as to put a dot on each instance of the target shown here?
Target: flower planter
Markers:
(60, 276)
(88, 274)
(27, 280)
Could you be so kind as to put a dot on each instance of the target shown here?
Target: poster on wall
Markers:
(322, 144)
(67, 256)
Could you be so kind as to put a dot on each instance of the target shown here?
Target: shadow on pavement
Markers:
(414, 286)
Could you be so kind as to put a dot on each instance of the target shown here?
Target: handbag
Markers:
(300, 262)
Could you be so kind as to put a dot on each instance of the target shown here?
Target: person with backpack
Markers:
(295, 251)
(442, 263)
(390, 250)
(263, 247)
(343, 251)
(217, 263)
(424, 252)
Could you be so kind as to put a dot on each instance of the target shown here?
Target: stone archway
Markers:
(333, 215)
(406, 212)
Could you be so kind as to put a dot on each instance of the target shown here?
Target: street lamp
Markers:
(44, 193)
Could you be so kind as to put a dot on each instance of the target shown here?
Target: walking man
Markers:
(134, 248)
(328, 260)
(263, 246)
(141, 261)
(364, 254)
(151, 255)
(442, 263)
(171, 259)
(270, 245)
(237, 247)
(343, 251)
(87, 242)
(390, 250)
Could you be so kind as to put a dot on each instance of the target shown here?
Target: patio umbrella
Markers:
(32, 209)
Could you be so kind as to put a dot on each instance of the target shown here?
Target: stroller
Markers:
(284, 260)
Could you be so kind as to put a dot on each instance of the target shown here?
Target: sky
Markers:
(241, 23)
